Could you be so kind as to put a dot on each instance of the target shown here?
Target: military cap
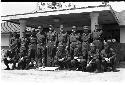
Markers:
(39, 27)
(109, 40)
(50, 26)
(73, 27)
(91, 44)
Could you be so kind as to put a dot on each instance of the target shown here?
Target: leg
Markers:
(113, 64)
(71, 50)
(74, 64)
(97, 65)
(104, 65)
(83, 64)
(89, 68)
(6, 63)
(67, 63)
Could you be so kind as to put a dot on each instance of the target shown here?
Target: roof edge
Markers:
(56, 10)
(116, 18)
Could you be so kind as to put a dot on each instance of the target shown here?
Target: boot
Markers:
(96, 71)
(7, 68)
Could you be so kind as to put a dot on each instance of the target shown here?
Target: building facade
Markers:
(69, 14)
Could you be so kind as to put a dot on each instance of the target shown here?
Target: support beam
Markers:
(122, 34)
(22, 27)
(94, 20)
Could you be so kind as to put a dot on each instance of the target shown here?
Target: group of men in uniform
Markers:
(74, 51)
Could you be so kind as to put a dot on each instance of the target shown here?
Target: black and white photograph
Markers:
(62, 42)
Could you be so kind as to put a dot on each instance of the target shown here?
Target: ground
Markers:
(64, 76)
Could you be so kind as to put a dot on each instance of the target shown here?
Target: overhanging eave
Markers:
(57, 12)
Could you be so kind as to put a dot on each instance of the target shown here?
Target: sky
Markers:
(11, 8)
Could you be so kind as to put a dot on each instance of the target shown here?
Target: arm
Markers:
(103, 54)
(88, 57)
(113, 56)
(67, 44)
(56, 35)
(46, 39)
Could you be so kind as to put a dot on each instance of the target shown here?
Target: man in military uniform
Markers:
(14, 50)
(97, 37)
(23, 47)
(23, 52)
(115, 45)
(41, 44)
(51, 46)
(93, 62)
(62, 40)
(108, 56)
(85, 44)
(32, 46)
(7, 59)
(75, 47)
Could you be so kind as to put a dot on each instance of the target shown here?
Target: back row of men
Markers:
(75, 51)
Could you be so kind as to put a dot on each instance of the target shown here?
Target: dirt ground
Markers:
(63, 76)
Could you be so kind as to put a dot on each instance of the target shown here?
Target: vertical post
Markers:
(94, 20)
(22, 27)
(122, 34)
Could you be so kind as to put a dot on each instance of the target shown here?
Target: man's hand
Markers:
(75, 57)
(87, 65)
(21, 58)
(106, 59)
(78, 60)
(54, 45)
(66, 47)
(8, 58)
(61, 59)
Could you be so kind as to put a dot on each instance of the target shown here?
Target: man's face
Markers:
(92, 47)
(74, 29)
(86, 30)
(97, 27)
(61, 28)
(51, 28)
(41, 29)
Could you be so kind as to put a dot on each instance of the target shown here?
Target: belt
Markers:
(40, 43)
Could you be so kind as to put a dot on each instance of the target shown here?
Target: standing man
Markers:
(51, 45)
(23, 47)
(41, 44)
(75, 47)
(97, 37)
(85, 42)
(62, 40)
(23, 52)
(32, 46)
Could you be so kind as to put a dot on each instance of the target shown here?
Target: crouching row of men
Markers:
(94, 61)
(75, 51)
